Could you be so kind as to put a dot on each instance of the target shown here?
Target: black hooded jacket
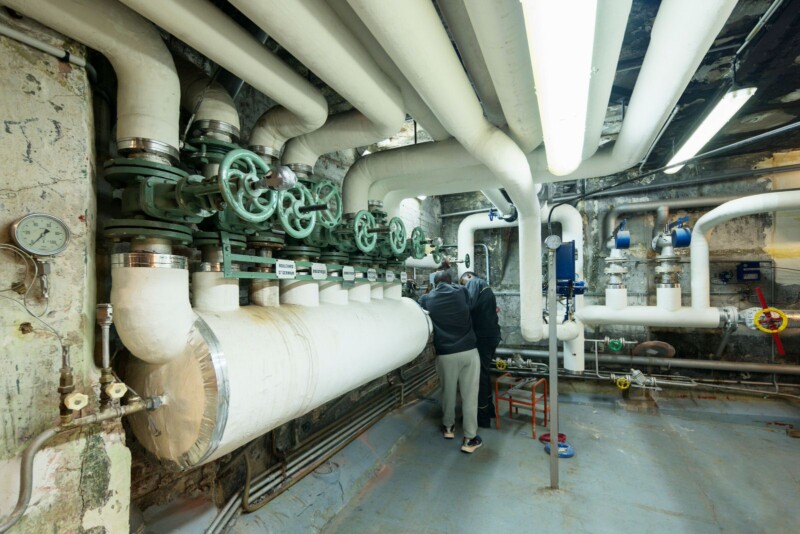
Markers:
(483, 309)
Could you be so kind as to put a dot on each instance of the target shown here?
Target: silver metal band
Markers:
(140, 144)
(148, 260)
(219, 127)
(263, 150)
(301, 168)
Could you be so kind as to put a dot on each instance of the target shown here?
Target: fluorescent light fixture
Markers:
(561, 42)
(421, 197)
(725, 109)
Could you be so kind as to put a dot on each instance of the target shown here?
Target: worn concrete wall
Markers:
(46, 141)
(765, 237)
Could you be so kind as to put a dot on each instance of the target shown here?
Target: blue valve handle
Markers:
(678, 223)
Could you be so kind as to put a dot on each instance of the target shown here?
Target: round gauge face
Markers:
(41, 234)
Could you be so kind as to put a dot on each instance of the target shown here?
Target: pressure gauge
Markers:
(40, 234)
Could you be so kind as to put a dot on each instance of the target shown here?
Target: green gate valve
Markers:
(328, 193)
(243, 190)
(297, 211)
(397, 235)
(417, 243)
(615, 345)
(437, 254)
(365, 239)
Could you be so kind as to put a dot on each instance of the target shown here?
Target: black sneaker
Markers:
(470, 445)
(448, 432)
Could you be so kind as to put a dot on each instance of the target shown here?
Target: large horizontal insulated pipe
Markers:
(148, 92)
(750, 205)
(208, 102)
(651, 316)
(237, 373)
(313, 33)
(500, 30)
(410, 30)
(211, 32)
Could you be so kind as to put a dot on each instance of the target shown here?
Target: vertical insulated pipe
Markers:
(410, 30)
(148, 92)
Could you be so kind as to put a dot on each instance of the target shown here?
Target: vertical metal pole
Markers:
(553, 242)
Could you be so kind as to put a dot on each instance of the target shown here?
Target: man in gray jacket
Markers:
(457, 360)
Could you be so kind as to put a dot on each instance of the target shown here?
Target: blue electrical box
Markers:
(565, 271)
(748, 271)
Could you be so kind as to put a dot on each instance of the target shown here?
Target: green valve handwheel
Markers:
(615, 345)
(397, 235)
(418, 243)
(362, 224)
(328, 193)
(242, 190)
(297, 221)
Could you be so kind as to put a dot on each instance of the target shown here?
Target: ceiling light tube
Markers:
(561, 43)
(725, 109)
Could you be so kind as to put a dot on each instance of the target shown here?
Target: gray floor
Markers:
(706, 465)
(684, 471)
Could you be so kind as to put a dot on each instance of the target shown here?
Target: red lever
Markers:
(769, 319)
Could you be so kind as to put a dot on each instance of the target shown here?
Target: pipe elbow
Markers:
(207, 100)
(152, 312)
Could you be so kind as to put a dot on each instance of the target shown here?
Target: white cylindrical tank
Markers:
(248, 371)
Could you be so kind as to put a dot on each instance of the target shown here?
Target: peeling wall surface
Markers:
(82, 483)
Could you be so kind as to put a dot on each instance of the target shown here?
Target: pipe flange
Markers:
(149, 260)
(334, 258)
(300, 253)
(133, 145)
(266, 151)
(266, 240)
(301, 168)
(128, 229)
(669, 268)
(728, 316)
(214, 239)
(208, 126)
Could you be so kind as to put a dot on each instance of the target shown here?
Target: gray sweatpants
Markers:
(460, 370)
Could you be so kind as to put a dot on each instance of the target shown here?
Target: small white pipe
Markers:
(211, 32)
(651, 316)
(376, 291)
(498, 200)
(616, 297)
(313, 33)
(699, 249)
(393, 292)
(300, 292)
(424, 263)
(212, 292)
(148, 92)
(265, 292)
(54, 51)
(500, 30)
(466, 235)
(668, 298)
(333, 293)
(361, 292)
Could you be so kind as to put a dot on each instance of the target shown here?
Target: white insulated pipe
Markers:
(651, 316)
(500, 31)
(466, 235)
(148, 92)
(207, 100)
(498, 200)
(410, 30)
(152, 313)
(207, 29)
(682, 33)
(699, 249)
(461, 30)
(313, 33)
(414, 104)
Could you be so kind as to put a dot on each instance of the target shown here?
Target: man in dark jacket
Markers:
(457, 361)
(485, 323)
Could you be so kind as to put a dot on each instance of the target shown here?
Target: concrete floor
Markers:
(705, 465)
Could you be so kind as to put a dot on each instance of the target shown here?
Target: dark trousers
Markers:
(486, 349)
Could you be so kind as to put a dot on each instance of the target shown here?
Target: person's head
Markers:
(466, 277)
(442, 277)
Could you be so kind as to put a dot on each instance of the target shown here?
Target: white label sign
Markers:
(404, 277)
(285, 269)
(348, 273)
(319, 271)
(372, 275)
(390, 276)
